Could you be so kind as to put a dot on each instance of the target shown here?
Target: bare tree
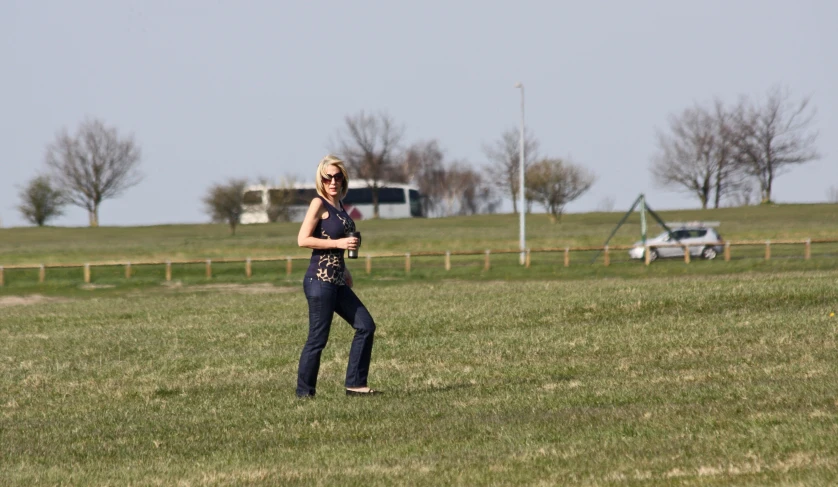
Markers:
(369, 146)
(488, 200)
(465, 192)
(422, 164)
(282, 201)
(697, 154)
(504, 155)
(454, 183)
(40, 201)
(774, 136)
(554, 183)
(832, 195)
(94, 165)
(730, 178)
(224, 202)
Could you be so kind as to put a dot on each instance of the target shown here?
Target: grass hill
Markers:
(53, 245)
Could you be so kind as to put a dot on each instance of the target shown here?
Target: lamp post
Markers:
(522, 208)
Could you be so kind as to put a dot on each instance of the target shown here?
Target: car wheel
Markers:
(653, 255)
(709, 253)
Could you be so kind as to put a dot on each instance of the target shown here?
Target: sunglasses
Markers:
(327, 178)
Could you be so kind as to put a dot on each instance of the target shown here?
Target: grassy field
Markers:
(177, 242)
(712, 373)
(51, 246)
(727, 380)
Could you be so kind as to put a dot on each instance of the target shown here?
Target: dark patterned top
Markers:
(327, 264)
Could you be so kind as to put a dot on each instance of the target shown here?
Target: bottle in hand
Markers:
(353, 254)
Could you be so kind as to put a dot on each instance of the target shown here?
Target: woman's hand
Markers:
(348, 243)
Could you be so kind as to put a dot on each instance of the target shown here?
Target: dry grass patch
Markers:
(6, 301)
(259, 288)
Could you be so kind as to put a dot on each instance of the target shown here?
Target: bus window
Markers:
(297, 196)
(252, 198)
(363, 196)
(304, 196)
(415, 203)
(358, 196)
(277, 196)
(390, 195)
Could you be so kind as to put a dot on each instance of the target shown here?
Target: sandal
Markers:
(368, 392)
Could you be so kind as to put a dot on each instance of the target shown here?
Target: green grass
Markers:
(391, 270)
(664, 380)
(34, 246)
(50, 246)
(712, 373)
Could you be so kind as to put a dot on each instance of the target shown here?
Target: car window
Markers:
(699, 233)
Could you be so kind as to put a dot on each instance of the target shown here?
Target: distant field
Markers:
(50, 246)
(79, 245)
(707, 380)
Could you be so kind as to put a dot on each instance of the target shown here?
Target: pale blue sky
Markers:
(219, 89)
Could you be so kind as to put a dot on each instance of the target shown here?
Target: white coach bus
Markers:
(394, 201)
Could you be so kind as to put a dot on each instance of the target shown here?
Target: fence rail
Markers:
(368, 267)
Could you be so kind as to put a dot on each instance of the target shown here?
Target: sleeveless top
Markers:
(327, 264)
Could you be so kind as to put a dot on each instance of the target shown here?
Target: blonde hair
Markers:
(327, 161)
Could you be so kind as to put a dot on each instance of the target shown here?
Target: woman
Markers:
(328, 283)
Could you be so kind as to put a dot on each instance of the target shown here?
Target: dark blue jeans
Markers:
(324, 300)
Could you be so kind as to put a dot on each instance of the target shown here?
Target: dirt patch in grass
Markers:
(261, 288)
(28, 300)
(91, 287)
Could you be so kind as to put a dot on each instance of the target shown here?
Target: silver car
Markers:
(702, 241)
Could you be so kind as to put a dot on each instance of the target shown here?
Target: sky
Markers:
(213, 90)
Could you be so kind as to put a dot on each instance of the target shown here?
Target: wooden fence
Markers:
(487, 255)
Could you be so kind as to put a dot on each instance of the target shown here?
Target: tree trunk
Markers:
(93, 216)
(765, 190)
(768, 188)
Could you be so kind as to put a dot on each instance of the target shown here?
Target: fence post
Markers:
(2, 280)
(727, 251)
(567, 256)
(407, 263)
(87, 273)
(447, 260)
(369, 264)
(168, 270)
(527, 260)
(646, 258)
(686, 254)
(807, 252)
(607, 257)
(247, 268)
(486, 264)
(42, 274)
(127, 270)
(768, 250)
(288, 266)
(209, 268)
